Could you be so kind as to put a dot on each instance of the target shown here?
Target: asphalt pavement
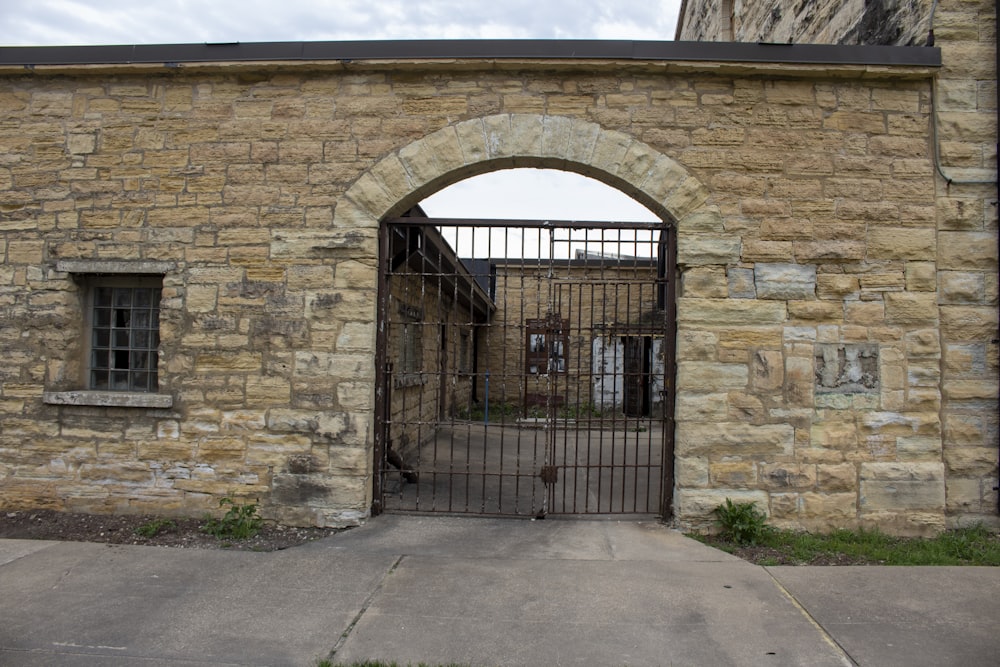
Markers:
(476, 591)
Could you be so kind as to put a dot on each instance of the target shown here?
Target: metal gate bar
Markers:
(501, 359)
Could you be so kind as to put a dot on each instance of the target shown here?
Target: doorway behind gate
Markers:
(525, 367)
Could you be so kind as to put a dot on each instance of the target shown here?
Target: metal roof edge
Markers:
(472, 49)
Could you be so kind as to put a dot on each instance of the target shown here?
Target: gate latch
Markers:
(549, 475)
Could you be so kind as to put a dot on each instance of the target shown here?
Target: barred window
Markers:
(124, 335)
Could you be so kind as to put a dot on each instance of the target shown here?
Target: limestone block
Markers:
(757, 250)
(730, 312)
(784, 506)
(706, 219)
(699, 407)
(393, 176)
(964, 430)
(923, 374)
(959, 287)
(799, 380)
(706, 375)
(700, 250)
(968, 323)
(745, 407)
(741, 283)
(637, 163)
(472, 138)
(421, 165)
(318, 490)
(960, 213)
(903, 243)
(965, 251)
(733, 474)
(735, 439)
(920, 276)
(901, 423)
(357, 336)
(966, 496)
(275, 449)
(697, 505)
(557, 135)
(350, 460)
(525, 134)
(267, 390)
(963, 390)
(684, 199)
(227, 362)
(971, 461)
(917, 448)
(583, 135)
(610, 150)
(833, 508)
(691, 471)
(447, 150)
(694, 345)
(785, 281)
(902, 486)
(836, 477)
(785, 476)
(705, 282)
(816, 311)
(908, 308)
(767, 370)
(835, 435)
(923, 344)
(865, 314)
(836, 286)
(811, 251)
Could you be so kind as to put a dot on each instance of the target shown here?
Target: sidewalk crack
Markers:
(364, 608)
(827, 637)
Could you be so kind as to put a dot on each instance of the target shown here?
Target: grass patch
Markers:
(975, 545)
(155, 527)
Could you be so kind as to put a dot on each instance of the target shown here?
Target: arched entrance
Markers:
(575, 424)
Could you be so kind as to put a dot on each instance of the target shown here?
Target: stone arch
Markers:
(504, 141)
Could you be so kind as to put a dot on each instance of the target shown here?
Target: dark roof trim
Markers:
(176, 54)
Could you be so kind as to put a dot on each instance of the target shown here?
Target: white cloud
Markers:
(52, 22)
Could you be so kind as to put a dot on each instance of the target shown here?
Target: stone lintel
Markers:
(134, 267)
(108, 399)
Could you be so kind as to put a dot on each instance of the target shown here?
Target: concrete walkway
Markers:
(483, 592)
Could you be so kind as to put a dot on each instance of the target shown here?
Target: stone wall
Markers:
(899, 22)
(809, 246)
(964, 361)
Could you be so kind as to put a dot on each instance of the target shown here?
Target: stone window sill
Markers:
(109, 399)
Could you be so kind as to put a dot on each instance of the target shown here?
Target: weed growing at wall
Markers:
(240, 522)
(741, 522)
(154, 527)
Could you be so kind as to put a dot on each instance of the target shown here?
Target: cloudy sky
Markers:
(504, 194)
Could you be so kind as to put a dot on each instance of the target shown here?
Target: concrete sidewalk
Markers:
(483, 592)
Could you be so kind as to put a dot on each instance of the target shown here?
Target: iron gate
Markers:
(525, 368)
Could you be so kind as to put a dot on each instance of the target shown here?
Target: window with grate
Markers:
(124, 335)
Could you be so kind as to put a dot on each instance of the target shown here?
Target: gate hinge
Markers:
(549, 475)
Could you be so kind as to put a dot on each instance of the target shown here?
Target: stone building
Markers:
(829, 297)
(961, 375)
